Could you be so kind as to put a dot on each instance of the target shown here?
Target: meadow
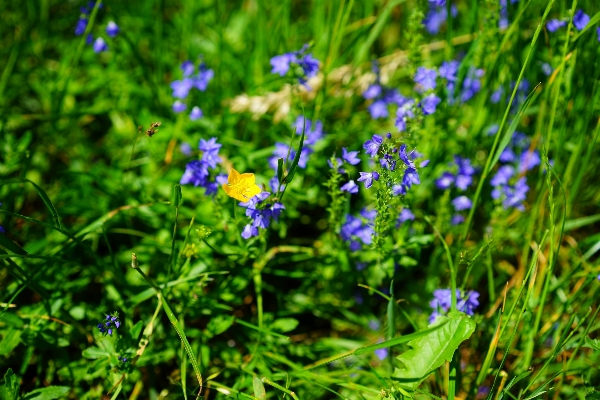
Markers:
(252, 199)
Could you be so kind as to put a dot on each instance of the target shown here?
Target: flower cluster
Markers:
(261, 213)
(580, 20)
(437, 15)
(359, 230)
(182, 88)
(99, 45)
(462, 179)
(306, 63)
(197, 172)
(442, 301)
(313, 133)
(351, 158)
(110, 325)
(382, 96)
(510, 184)
(503, 22)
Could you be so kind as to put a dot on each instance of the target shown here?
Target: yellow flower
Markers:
(241, 187)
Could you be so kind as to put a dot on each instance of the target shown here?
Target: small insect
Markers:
(241, 187)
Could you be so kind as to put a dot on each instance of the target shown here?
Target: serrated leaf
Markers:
(93, 353)
(429, 351)
(10, 389)
(592, 343)
(47, 393)
(259, 388)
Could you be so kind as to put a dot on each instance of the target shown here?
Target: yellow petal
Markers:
(234, 177)
(248, 179)
(251, 191)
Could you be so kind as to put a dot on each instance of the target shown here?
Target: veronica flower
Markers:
(350, 187)
(405, 215)
(403, 114)
(378, 109)
(179, 107)
(445, 181)
(580, 19)
(204, 76)
(110, 324)
(112, 29)
(196, 113)
(442, 302)
(368, 177)
(100, 45)
(81, 25)
(351, 157)
(429, 104)
(462, 203)
(372, 146)
(554, 24)
(457, 219)
(425, 79)
(373, 91)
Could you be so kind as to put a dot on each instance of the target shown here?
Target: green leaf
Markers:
(10, 390)
(592, 343)
(136, 330)
(47, 393)
(11, 339)
(93, 353)
(177, 197)
(284, 324)
(259, 388)
(595, 395)
(220, 324)
(279, 170)
(11, 246)
(43, 196)
(288, 178)
(430, 351)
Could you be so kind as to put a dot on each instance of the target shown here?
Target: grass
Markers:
(297, 312)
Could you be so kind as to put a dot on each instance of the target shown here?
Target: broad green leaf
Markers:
(92, 353)
(284, 324)
(430, 351)
(47, 393)
(259, 388)
(10, 340)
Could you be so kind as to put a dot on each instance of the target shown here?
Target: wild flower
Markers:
(112, 29)
(382, 353)
(555, 24)
(462, 203)
(80, 26)
(442, 301)
(382, 96)
(181, 88)
(261, 212)
(471, 84)
(463, 177)
(372, 146)
(351, 157)
(368, 177)
(425, 79)
(449, 71)
(429, 104)
(404, 113)
(196, 113)
(546, 69)
(503, 21)
(100, 45)
(580, 19)
(357, 232)
(197, 172)
(350, 187)
(436, 17)
(598, 33)
(110, 324)
(241, 187)
(179, 107)
(404, 216)
(308, 65)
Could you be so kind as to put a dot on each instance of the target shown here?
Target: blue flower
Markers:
(378, 109)
(457, 219)
(182, 88)
(179, 107)
(381, 353)
(350, 187)
(442, 302)
(186, 149)
(373, 91)
(554, 24)
(205, 75)
(368, 214)
(445, 181)
(368, 177)
(496, 95)
(405, 215)
(196, 113)
(196, 173)
(438, 3)
(354, 231)
(528, 160)
(429, 104)
(388, 162)
(580, 19)
(404, 112)
(281, 64)
(187, 67)
(598, 33)
(411, 176)
(462, 203)
(351, 157)
(111, 323)
(81, 25)
(100, 45)
(112, 29)
(471, 84)
(436, 17)
(372, 146)
(313, 131)
(546, 69)
(249, 231)
(399, 190)
(2, 230)
(425, 78)
(449, 70)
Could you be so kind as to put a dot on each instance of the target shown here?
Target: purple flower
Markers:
(445, 181)
(462, 203)
(437, 3)
(339, 163)
(281, 64)
(463, 181)
(381, 353)
(496, 95)
(405, 215)
(546, 69)
(313, 132)
(350, 187)
(434, 20)
(368, 214)
(405, 157)
(580, 19)
(457, 219)
(368, 177)
(598, 33)
(399, 190)
(196, 113)
(310, 65)
(372, 146)
(186, 149)
(449, 70)
(425, 78)
(411, 176)
(471, 84)
(351, 157)
(2, 230)
(182, 88)
(502, 176)
(179, 107)
(205, 75)
(378, 109)
(81, 25)
(442, 302)
(112, 29)
(388, 162)
(100, 45)
(196, 173)
(529, 160)
(429, 104)
(249, 231)
(372, 91)
(404, 112)
(554, 24)
(187, 67)
(111, 323)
